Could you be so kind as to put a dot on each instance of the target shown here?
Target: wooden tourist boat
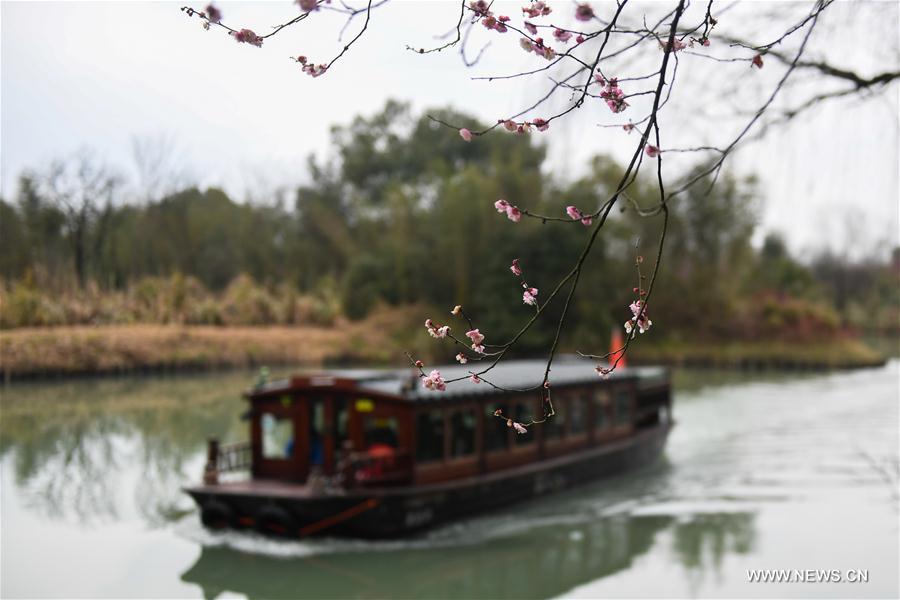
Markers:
(374, 454)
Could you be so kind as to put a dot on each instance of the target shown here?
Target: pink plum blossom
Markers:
(541, 124)
(308, 5)
(584, 12)
(480, 7)
(419, 364)
(515, 268)
(530, 28)
(652, 151)
(677, 45)
(213, 14)
(562, 35)
(537, 9)
(501, 205)
(474, 378)
(314, 70)
(640, 318)
(462, 358)
(492, 22)
(434, 382)
(436, 331)
(573, 212)
(246, 36)
(529, 296)
(757, 61)
(579, 39)
(477, 339)
(465, 134)
(586, 220)
(613, 94)
(538, 47)
(517, 426)
(513, 214)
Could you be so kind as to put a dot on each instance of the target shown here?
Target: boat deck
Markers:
(260, 487)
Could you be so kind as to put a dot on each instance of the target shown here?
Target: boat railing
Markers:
(235, 457)
(226, 458)
(367, 468)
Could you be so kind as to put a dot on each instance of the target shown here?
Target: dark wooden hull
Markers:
(394, 512)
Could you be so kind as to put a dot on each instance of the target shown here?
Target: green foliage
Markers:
(403, 215)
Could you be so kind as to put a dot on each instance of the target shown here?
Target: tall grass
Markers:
(167, 300)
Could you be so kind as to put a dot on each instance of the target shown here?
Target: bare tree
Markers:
(159, 165)
(82, 188)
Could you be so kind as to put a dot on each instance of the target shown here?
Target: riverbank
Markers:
(41, 352)
(45, 352)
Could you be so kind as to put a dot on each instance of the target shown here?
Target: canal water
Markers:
(789, 473)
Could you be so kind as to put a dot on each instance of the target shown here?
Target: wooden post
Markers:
(211, 472)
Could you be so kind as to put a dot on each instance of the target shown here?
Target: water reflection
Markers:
(74, 446)
(539, 563)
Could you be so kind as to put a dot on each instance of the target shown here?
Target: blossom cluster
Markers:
(436, 331)
(677, 45)
(309, 68)
(246, 36)
(512, 212)
(477, 339)
(525, 126)
(482, 9)
(562, 35)
(434, 382)
(576, 215)
(537, 9)
(520, 429)
(538, 47)
(584, 12)
(639, 318)
(529, 296)
(612, 93)
(212, 14)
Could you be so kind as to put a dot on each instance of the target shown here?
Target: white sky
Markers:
(95, 75)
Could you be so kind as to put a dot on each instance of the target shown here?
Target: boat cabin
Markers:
(382, 429)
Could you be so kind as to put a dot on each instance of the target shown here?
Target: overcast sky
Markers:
(95, 75)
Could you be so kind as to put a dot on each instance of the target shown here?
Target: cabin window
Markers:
(339, 421)
(462, 433)
(555, 427)
(524, 413)
(430, 436)
(623, 407)
(381, 431)
(277, 437)
(496, 433)
(578, 414)
(601, 408)
(316, 431)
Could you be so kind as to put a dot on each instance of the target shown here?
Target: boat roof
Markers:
(512, 374)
